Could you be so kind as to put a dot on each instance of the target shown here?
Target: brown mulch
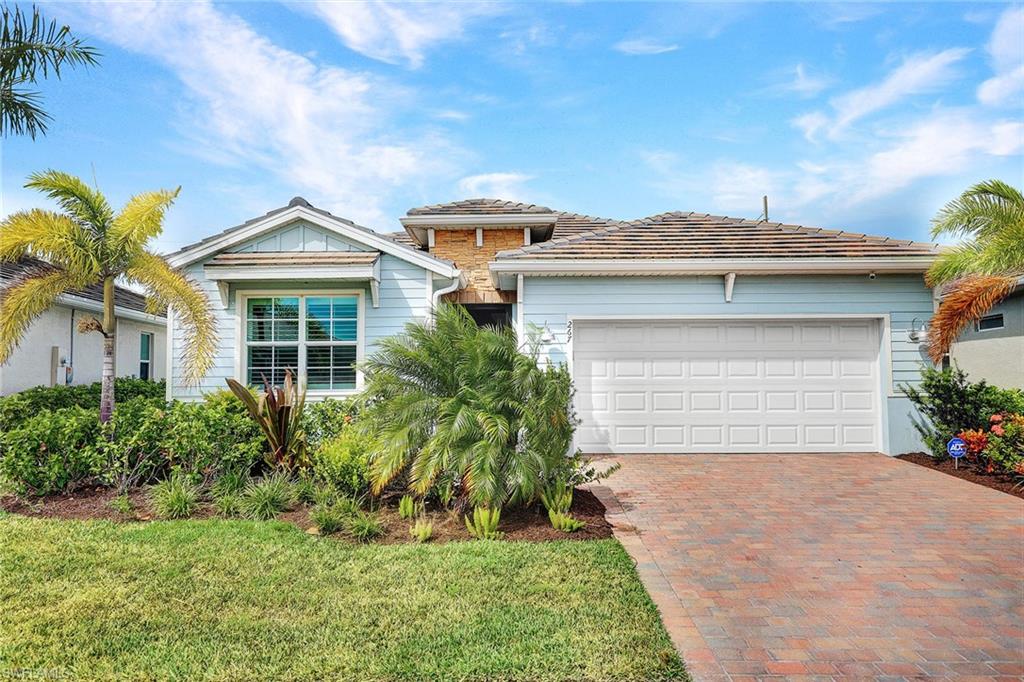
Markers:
(526, 525)
(968, 471)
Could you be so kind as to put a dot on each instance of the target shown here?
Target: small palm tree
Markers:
(89, 244)
(31, 48)
(985, 268)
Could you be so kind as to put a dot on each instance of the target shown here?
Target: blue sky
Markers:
(865, 117)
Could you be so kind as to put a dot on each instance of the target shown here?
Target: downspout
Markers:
(457, 283)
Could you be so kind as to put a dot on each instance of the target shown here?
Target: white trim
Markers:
(886, 388)
(977, 323)
(488, 220)
(240, 324)
(81, 303)
(361, 235)
(730, 282)
(520, 311)
(431, 238)
(527, 235)
(479, 236)
(169, 360)
(250, 273)
(710, 266)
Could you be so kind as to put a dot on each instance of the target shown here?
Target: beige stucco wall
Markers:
(997, 356)
(30, 365)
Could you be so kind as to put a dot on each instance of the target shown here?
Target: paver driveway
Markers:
(825, 565)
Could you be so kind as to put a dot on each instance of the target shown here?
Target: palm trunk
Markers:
(109, 337)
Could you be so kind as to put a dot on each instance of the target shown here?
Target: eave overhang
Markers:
(540, 225)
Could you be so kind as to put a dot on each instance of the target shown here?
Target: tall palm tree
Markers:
(86, 244)
(31, 48)
(982, 270)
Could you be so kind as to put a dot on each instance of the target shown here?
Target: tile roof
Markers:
(123, 297)
(479, 207)
(680, 235)
(264, 258)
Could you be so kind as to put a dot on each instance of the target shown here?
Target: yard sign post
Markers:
(957, 448)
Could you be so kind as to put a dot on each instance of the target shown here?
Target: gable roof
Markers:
(300, 209)
(679, 235)
(124, 299)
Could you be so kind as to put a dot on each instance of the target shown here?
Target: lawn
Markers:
(239, 600)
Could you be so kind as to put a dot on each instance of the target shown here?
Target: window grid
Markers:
(314, 335)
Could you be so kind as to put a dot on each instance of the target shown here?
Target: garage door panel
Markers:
(718, 386)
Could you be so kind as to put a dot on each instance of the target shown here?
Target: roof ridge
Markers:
(479, 201)
(611, 225)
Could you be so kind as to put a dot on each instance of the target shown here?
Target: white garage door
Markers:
(727, 386)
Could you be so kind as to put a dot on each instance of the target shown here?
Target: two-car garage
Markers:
(728, 385)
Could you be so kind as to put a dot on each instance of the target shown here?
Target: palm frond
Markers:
(967, 301)
(83, 203)
(52, 237)
(190, 305)
(984, 210)
(141, 219)
(27, 297)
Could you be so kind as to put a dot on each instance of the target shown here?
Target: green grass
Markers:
(241, 600)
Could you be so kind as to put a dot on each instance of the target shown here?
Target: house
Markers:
(684, 332)
(53, 351)
(993, 348)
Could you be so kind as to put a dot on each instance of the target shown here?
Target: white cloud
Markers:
(644, 46)
(495, 185)
(802, 83)
(395, 33)
(1006, 50)
(316, 128)
(452, 115)
(810, 124)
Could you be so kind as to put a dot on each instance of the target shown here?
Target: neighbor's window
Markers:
(990, 322)
(313, 335)
(146, 356)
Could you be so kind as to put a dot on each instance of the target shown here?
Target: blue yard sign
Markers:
(957, 448)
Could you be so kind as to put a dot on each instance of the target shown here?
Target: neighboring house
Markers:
(684, 332)
(53, 351)
(993, 349)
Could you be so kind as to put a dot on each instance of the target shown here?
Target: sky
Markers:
(863, 117)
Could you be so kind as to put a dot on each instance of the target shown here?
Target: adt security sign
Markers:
(957, 448)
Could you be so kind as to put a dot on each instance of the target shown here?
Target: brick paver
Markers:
(825, 566)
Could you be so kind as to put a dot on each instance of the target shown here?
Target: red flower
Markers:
(996, 418)
(998, 430)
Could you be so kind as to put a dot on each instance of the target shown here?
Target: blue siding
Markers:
(299, 236)
(403, 297)
(551, 301)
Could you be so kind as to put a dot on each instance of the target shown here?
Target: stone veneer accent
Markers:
(459, 245)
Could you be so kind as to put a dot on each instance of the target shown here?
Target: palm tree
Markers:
(30, 49)
(86, 244)
(985, 268)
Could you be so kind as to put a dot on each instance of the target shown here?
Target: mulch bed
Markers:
(525, 525)
(968, 471)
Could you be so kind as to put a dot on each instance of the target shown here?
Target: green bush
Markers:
(264, 499)
(228, 505)
(211, 437)
(343, 462)
(948, 403)
(131, 444)
(365, 526)
(176, 497)
(330, 518)
(16, 408)
(50, 452)
(324, 420)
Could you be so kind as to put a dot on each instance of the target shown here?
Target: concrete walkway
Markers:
(825, 566)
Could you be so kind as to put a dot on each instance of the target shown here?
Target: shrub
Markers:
(564, 522)
(1001, 446)
(422, 530)
(228, 505)
(365, 526)
(175, 498)
(230, 482)
(330, 518)
(484, 525)
(264, 499)
(343, 462)
(122, 504)
(131, 444)
(948, 403)
(304, 490)
(19, 407)
(278, 413)
(211, 437)
(448, 400)
(324, 420)
(50, 452)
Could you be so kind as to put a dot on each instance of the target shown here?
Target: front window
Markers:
(315, 336)
(146, 356)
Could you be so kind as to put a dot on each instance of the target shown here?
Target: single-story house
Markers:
(993, 347)
(684, 332)
(54, 352)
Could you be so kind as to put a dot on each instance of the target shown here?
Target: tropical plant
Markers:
(557, 498)
(264, 499)
(484, 523)
(176, 497)
(17, 407)
(228, 505)
(30, 49)
(88, 244)
(278, 411)
(985, 268)
(330, 518)
(131, 446)
(450, 401)
(365, 526)
(565, 522)
(325, 420)
(51, 452)
(421, 530)
(343, 462)
(407, 507)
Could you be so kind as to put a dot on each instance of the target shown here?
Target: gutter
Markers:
(457, 283)
(97, 307)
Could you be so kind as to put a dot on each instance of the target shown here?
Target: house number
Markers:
(568, 330)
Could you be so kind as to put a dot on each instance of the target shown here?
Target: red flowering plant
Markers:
(1001, 446)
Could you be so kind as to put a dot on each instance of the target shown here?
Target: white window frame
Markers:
(1002, 323)
(148, 361)
(241, 325)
